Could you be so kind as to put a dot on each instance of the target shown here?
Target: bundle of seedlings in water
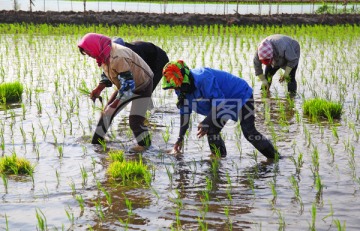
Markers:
(127, 172)
(15, 165)
(11, 92)
(320, 108)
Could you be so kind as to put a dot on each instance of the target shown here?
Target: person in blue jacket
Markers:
(219, 96)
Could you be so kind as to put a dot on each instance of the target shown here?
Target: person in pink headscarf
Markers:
(275, 52)
(132, 77)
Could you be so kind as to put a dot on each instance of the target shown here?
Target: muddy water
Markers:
(190, 191)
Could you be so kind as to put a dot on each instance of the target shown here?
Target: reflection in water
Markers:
(208, 194)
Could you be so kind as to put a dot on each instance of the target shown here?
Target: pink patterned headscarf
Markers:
(265, 50)
(97, 46)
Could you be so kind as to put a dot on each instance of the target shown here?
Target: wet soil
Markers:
(151, 19)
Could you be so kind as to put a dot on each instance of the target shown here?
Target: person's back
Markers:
(153, 55)
(230, 86)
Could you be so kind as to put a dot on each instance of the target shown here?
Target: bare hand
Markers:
(96, 92)
(202, 130)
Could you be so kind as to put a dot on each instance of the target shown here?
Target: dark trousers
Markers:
(247, 122)
(138, 110)
(292, 85)
(161, 60)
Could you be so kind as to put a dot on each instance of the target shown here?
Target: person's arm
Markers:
(95, 93)
(105, 80)
(127, 85)
(257, 65)
(125, 92)
(259, 72)
(286, 75)
(184, 126)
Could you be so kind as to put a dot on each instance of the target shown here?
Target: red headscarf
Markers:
(97, 46)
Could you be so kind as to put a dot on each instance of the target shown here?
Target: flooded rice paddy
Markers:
(314, 187)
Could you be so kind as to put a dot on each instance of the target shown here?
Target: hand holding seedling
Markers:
(97, 91)
(286, 75)
(264, 82)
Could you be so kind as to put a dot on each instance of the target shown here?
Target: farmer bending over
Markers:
(132, 77)
(154, 56)
(219, 96)
(275, 52)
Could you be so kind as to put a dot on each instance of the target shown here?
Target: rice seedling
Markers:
(295, 187)
(41, 219)
(39, 106)
(84, 175)
(281, 221)
(251, 182)
(298, 162)
(128, 204)
(315, 161)
(5, 182)
(313, 211)
(55, 138)
(125, 223)
(339, 226)
(335, 133)
(166, 135)
(15, 165)
(43, 130)
(272, 185)
(170, 175)
(37, 151)
(81, 201)
(72, 186)
(228, 187)
(178, 207)
(106, 193)
(70, 215)
(11, 92)
(153, 190)
(99, 210)
(203, 225)
(57, 174)
(103, 144)
(2, 145)
(318, 108)
(6, 223)
(60, 150)
(228, 219)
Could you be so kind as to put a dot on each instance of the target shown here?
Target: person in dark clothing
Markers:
(275, 52)
(219, 96)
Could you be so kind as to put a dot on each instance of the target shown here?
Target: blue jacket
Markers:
(218, 92)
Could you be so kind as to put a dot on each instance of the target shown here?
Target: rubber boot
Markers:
(216, 144)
